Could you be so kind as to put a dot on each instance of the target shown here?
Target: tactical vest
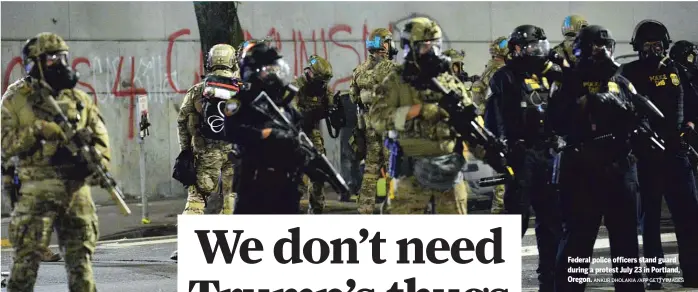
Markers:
(534, 102)
(215, 92)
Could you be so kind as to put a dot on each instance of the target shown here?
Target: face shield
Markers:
(533, 49)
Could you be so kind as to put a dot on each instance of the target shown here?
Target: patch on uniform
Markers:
(690, 58)
(232, 106)
(613, 87)
(674, 79)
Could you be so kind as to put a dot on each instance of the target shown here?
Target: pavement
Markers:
(143, 265)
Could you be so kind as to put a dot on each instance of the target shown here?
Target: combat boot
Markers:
(174, 256)
(50, 257)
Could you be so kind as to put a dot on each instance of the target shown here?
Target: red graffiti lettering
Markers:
(130, 93)
(364, 37)
(8, 71)
(170, 46)
(83, 60)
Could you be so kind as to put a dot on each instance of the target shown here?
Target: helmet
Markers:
(457, 59)
(50, 52)
(572, 24)
(221, 56)
(263, 69)
(594, 42)
(650, 36)
(685, 53)
(318, 68)
(43, 44)
(267, 40)
(530, 40)
(420, 34)
(456, 56)
(498, 48)
(377, 38)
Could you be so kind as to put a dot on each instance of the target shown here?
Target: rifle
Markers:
(81, 146)
(463, 120)
(336, 116)
(317, 167)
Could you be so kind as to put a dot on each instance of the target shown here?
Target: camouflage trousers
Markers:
(314, 190)
(498, 200)
(212, 164)
(376, 154)
(413, 198)
(44, 206)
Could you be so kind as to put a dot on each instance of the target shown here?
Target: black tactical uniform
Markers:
(685, 56)
(657, 77)
(268, 176)
(514, 113)
(598, 177)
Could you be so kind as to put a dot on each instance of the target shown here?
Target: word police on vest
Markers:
(437, 250)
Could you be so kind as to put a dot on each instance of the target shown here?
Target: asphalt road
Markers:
(143, 265)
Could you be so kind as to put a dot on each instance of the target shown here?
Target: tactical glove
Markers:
(49, 131)
(432, 112)
(283, 139)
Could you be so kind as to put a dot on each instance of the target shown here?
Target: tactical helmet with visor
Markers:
(421, 36)
(594, 43)
(46, 57)
(264, 69)
(528, 41)
(685, 53)
(572, 24)
(381, 41)
(499, 47)
(650, 39)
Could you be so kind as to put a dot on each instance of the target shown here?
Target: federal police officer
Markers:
(514, 113)
(656, 76)
(269, 153)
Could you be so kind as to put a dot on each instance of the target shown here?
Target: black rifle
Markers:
(336, 116)
(642, 138)
(463, 119)
(81, 145)
(316, 167)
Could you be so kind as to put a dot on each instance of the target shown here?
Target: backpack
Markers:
(216, 91)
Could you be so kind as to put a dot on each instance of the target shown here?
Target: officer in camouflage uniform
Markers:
(313, 101)
(571, 25)
(211, 157)
(457, 65)
(407, 103)
(480, 90)
(55, 192)
(364, 80)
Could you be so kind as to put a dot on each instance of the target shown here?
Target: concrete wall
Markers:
(119, 46)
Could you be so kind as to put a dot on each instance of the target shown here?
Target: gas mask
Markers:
(652, 50)
(316, 86)
(57, 72)
(425, 62)
(272, 79)
(598, 60)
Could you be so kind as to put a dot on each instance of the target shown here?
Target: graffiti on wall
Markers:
(113, 78)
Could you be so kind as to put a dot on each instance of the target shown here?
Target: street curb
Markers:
(150, 231)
